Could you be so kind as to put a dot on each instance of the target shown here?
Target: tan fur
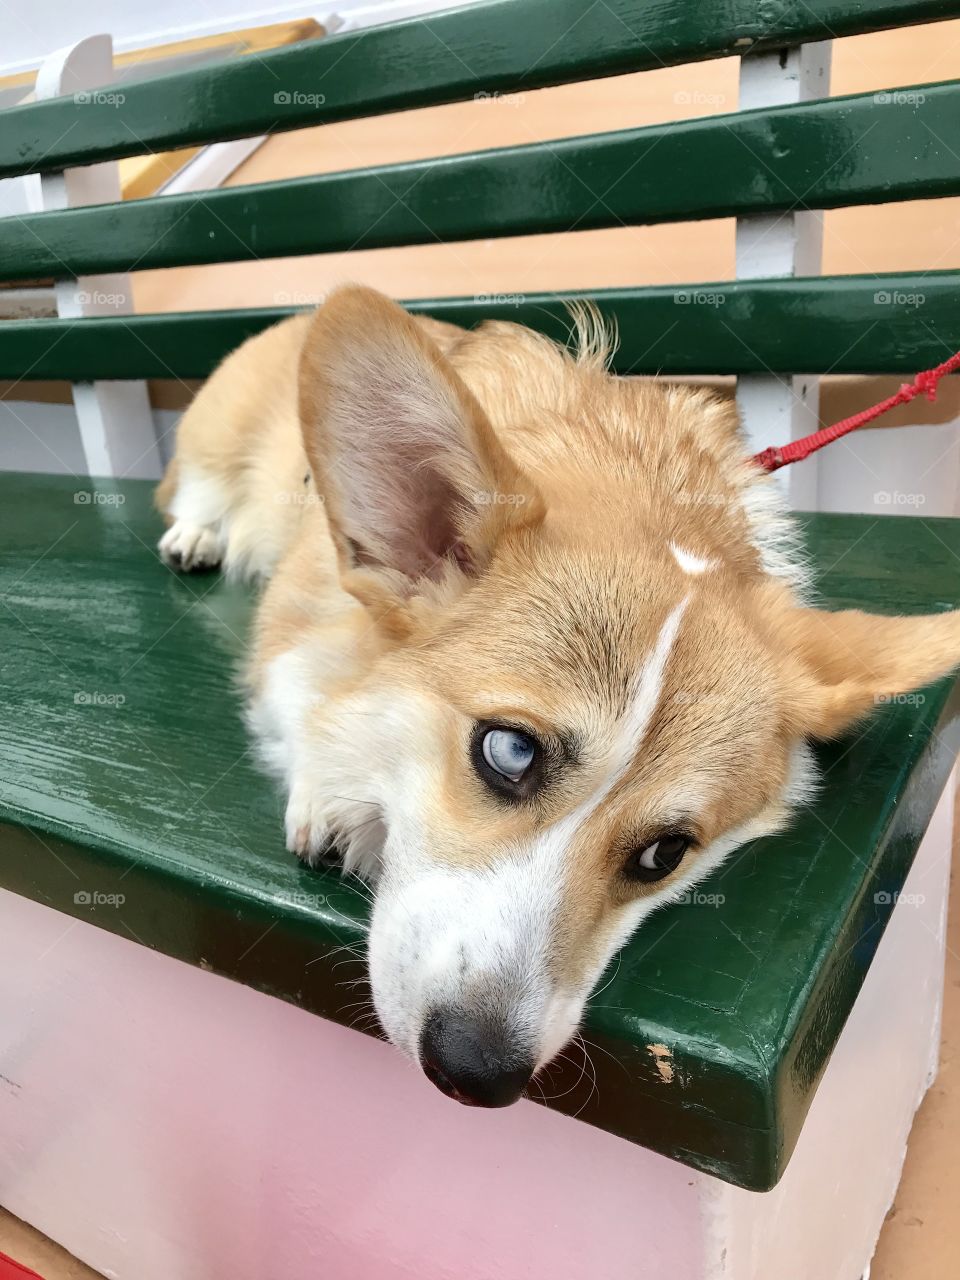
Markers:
(564, 489)
(167, 488)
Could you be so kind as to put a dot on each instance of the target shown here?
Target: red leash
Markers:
(775, 457)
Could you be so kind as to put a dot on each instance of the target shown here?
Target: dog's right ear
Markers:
(847, 662)
(412, 474)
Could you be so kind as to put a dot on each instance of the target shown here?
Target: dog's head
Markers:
(576, 715)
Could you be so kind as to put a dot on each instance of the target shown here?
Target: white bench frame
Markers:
(775, 409)
(115, 419)
(117, 426)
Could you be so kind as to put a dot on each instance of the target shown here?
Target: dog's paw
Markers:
(308, 835)
(190, 548)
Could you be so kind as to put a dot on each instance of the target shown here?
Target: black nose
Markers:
(471, 1062)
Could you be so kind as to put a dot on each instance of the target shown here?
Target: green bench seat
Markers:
(129, 798)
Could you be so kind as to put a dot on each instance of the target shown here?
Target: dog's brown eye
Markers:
(655, 860)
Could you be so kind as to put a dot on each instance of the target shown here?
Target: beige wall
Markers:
(918, 236)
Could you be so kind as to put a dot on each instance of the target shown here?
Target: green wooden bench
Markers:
(128, 796)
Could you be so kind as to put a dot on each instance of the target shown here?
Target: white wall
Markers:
(30, 33)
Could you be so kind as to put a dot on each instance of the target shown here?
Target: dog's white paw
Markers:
(308, 835)
(190, 548)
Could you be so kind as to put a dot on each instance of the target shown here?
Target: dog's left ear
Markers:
(847, 663)
(412, 474)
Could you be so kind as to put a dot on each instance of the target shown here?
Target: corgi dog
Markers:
(533, 652)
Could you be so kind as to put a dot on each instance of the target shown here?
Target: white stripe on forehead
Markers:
(632, 727)
(645, 699)
(636, 720)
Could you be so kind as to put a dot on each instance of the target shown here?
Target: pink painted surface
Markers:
(152, 1110)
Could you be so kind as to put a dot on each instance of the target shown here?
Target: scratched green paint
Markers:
(841, 151)
(124, 768)
(754, 326)
(507, 46)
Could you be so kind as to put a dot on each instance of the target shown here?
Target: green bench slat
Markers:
(125, 769)
(838, 324)
(840, 151)
(491, 48)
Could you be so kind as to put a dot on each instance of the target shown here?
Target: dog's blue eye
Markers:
(508, 752)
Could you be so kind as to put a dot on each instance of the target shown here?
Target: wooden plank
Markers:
(823, 154)
(489, 48)
(107, 784)
(840, 324)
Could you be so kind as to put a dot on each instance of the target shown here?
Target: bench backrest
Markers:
(778, 159)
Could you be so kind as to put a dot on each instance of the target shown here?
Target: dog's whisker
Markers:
(594, 1089)
(351, 950)
(372, 804)
(612, 976)
(365, 1023)
(565, 1057)
(535, 1083)
(364, 1006)
(600, 1049)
